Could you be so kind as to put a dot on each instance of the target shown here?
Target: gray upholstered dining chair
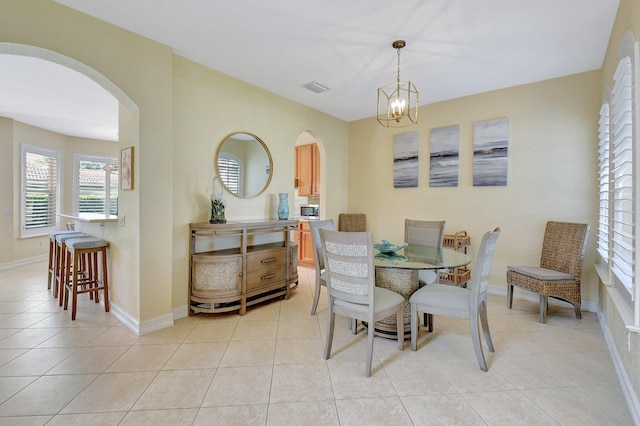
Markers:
(468, 303)
(560, 269)
(351, 287)
(315, 226)
(428, 233)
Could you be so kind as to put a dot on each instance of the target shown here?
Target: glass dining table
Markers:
(398, 271)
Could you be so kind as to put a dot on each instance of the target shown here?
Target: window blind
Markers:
(40, 185)
(603, 183)
(229, 170)
(623, 244)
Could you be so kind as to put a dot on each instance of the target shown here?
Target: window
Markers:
(619, 158)
(96, 186)
(40, 185)
(230, 169)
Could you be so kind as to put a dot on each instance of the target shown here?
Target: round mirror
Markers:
(244, 164)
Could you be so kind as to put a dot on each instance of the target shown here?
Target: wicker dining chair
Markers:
(352, 222)
(560, 270)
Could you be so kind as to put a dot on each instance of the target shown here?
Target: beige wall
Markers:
(24, 248)
(174, 113)
(6, 191)
(628, 19)
(552, 171)
(141, 69)
(207, 107)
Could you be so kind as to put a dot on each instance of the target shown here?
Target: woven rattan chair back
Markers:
(352, 222)
(564, 246)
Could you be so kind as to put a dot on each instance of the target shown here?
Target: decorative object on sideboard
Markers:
(283, 205)
(217, 202)
(398, 102)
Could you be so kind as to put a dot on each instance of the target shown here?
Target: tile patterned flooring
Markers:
(266, 368)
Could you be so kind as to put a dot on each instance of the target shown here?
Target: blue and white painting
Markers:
(405, 160)
(490, 152)
(445, 150)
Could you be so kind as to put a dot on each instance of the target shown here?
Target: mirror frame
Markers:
(266, 149)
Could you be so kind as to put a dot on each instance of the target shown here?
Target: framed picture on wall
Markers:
(126, 169)
(405, 160)
(444, 161)
(490, 152)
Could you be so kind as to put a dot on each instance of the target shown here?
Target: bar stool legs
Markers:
(90, 282)
(56, 257)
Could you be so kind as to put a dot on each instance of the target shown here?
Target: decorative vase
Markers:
(217, 202)
(283, 206)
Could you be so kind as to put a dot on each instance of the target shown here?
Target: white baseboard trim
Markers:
(625, 384)
(127, 320)
(141, 328)
(181, 312)
(156, 324)
(22, 262)
(587, 305)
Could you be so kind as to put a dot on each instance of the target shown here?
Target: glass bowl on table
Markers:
(387, 248)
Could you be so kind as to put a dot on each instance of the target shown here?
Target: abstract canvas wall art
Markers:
(444, 160)
(490, 152)
(405, 160)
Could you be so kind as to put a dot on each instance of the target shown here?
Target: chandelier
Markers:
(398, 102)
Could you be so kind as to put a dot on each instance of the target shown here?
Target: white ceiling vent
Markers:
(316, 87)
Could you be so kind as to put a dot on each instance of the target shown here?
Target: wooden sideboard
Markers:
(239, 264)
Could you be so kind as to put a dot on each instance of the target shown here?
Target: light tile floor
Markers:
(266, 368)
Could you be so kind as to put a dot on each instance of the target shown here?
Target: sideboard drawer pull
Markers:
(271, 259)
(268, 277)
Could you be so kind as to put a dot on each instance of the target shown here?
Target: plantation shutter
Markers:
(229, 170)
(602, 238)
(40, 186)
(623, 244)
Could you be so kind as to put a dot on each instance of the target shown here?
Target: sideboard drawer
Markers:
(266, 259)
(265, 277)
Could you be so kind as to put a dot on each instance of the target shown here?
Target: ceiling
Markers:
(454, 47)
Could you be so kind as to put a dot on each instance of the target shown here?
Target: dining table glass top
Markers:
(416, 256)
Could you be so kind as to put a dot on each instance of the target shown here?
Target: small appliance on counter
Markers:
(309, 211)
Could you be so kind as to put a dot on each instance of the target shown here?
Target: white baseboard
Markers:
(127, 320)
(181, 312)
(141, 328)
(22, 262)
(587, 305)
(156, 324)
(625, 384)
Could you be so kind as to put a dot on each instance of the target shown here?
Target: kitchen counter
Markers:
(91, 217)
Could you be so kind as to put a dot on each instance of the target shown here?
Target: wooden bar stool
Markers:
(59, 260)
(53, 267)
(89, 282)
